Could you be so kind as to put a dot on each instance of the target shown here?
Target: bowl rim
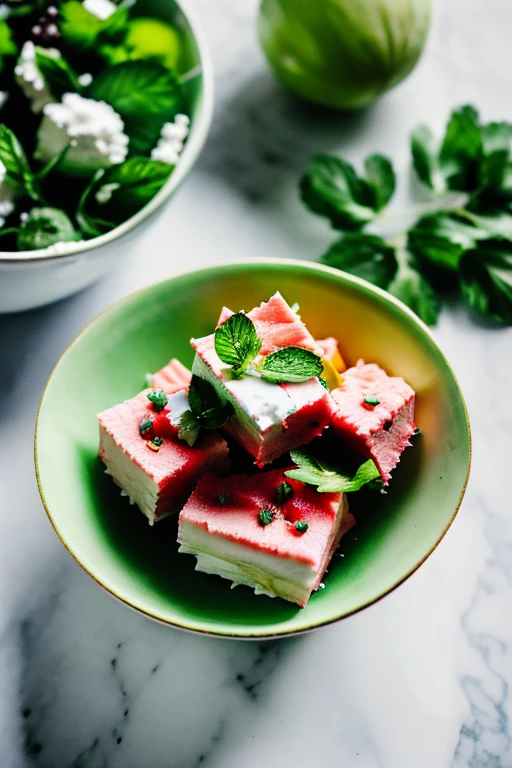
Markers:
(313, 266)
(193, 146)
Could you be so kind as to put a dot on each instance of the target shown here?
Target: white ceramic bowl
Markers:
(32, 278)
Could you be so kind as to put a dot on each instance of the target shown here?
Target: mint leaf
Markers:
(327, 478)
(330, 187)
(411, 287)
(291, 364)
(441, 239)
(44, 227)
(7, 45)
(237, 343)
(57, 73)
(364, 255)
(424, 158)
(486, 280)
(119, 192)
(461, 149)
(17, 170)
(83, 31)
(189, 428)
(381, 178)
(496, 155)
(210, 411)
(145, 94)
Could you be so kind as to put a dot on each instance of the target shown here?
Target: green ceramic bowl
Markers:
(140, 565)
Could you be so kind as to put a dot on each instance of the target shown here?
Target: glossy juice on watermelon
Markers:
(245, 528)
(269, 419)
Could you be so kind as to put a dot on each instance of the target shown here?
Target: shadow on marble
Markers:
(266, 137)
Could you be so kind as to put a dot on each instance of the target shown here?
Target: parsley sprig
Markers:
(237, 344)
(329, 479)
(207, 410)
(462, 239)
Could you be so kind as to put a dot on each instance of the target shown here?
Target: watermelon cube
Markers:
(268, 419)
(158, 478)
(171, 378)
(240, 528)
(374, 413)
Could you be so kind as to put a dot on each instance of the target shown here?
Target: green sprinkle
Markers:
(158, 398)
(223, 499)
(145, 426)
(157, 441)
(301, 526)
(284, 493)
(265, 516)
(417, 431)
(372, 400)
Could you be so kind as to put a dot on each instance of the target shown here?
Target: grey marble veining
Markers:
(420, 680)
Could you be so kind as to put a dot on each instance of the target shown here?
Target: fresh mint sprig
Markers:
(327, 478)
(462, 238)
(237, 344)
(207, 410)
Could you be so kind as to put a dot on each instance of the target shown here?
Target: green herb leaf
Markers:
(411, 287)
(210, 410)
(44, 227)
(424, 158)
(301, 526)
(189, 428)
(284, 493)
(371, 400)
(18, 173)
(237, 343)
(461, 150)
(486, 280)
(327, 478)
(265, 516)
(158, 398)
(291, 364)
(496, 155)
(119, 192)
(145, 94)
(331, 188)
(83, 31)
(442, 238)
(7, 45)
(364, 255)
(381, 178)
(57, 73)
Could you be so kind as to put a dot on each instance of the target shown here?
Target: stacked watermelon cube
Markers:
(255, 400)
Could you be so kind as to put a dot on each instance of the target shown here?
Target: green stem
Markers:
(190, 75)
(54, 162)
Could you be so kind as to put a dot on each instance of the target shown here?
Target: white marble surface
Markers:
(420, 680)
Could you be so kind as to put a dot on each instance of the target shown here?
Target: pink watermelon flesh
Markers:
(158, 482)
(172, 377)
(382, 431)
(278, 326)
(220, 525)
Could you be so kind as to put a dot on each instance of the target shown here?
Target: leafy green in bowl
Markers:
(98, 105)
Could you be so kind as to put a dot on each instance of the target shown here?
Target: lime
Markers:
(153, 39)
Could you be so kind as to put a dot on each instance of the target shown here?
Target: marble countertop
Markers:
(420, 680)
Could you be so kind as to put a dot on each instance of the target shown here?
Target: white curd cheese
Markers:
(93, 130)
(172, 138)
(29, 77)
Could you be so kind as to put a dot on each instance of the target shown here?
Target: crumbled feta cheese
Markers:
(5, 11)
(92, 128)
(102, 9)
(171, 140)
(8, 195)
(104, 193)
(29, 77)
(85, 79)
(3, 98)
(3, 172)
